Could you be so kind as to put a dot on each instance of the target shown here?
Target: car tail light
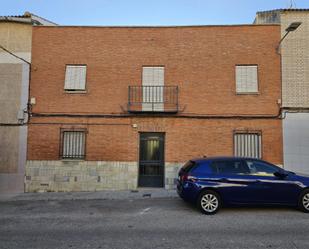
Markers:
(184, 177)
(187, 177)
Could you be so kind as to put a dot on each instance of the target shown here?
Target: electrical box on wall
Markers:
(32, 101)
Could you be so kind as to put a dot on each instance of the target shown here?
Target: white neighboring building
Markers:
(295, 85)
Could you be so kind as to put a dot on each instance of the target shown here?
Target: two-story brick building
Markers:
(124, 107)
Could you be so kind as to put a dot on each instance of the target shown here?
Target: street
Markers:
(146, 223)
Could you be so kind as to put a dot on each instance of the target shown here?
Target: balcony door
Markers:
(153, 87)
(151, 160)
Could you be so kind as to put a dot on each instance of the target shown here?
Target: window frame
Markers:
(61, 141)
(257, 79)
(75, 91)
(258, 132)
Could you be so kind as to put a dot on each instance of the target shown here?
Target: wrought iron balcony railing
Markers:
(153, 99)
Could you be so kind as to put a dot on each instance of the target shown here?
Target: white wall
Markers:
(296, 142)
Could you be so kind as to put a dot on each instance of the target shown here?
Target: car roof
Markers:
(209, 159)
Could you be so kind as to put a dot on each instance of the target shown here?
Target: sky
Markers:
(146, 12)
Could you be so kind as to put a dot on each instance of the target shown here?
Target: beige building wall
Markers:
(295, 85)
(295, 91)
(11, 80)
(14, 83)
(294, 50)
(16, 36)
(295, 60)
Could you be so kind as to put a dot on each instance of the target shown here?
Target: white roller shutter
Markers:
(247, 79)
(153, 88)
(75, 78)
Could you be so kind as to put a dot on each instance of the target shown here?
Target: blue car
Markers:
(213, 182)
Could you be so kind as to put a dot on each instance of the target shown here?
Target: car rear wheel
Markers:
(303, 203)
(209, 202)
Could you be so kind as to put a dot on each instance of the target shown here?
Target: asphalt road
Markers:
(147, 223)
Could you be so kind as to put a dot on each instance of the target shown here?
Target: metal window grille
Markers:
(246, 79)
(248, 145)
(73, 146)
(75, 77)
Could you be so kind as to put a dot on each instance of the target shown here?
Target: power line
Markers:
(16, 56)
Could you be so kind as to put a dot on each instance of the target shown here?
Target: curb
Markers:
(99, 195)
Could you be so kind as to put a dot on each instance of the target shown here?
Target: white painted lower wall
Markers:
(296, 142)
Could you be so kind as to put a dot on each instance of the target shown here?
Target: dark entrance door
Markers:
(151, 160)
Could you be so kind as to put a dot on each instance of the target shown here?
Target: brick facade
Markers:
(199, 60)
(117, 139)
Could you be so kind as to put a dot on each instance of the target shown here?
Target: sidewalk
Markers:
(100, 195)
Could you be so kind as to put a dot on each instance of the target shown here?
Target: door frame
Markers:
(139, 156)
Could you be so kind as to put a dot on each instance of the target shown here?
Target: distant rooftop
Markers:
(281, 10)
(273, 16)
(27, 18)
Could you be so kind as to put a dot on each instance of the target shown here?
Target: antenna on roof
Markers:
(292, 4)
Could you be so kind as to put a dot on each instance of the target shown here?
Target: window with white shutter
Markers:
(153, 88)
(75, 77)
(153, 76)
(246, 78)
(248, 144)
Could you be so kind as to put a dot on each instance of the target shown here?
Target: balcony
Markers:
(159, 99)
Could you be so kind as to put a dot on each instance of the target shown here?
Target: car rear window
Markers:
(188, 166)
(202, 168)
(229, 167)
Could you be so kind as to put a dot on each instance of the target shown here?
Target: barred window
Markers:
(248, 145)
(75, 77)
(247, 79)
(73, 144)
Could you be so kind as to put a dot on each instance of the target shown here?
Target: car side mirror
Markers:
(281, 174)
